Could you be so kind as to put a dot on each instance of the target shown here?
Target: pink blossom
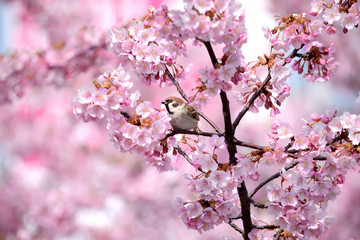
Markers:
(347, 119)
(335, 125)
(284, 131)
(203, 5)
(194, 209)
(301, 142)
(207, 163)
(203, 185)
(256, 234)
(85, 96)
(136, 29)
(274, 193)
(218, 142)
(144, 109)
(316, 6)
(331, 15)
(96, 111)
(220, 178)
(267, 159)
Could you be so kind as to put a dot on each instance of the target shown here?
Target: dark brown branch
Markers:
(125, 114)
(182, 153)
(178, 131)
(245, 209)
(287, 147)
(231, 146)
(183, 95)
(229, 136)
(251, 101)
(256, 204)
(294, 53)
(234, 226)
(211, 52)
(176, 84)
(229, 133)
(268, 227)
(276, 175)
(248, 145)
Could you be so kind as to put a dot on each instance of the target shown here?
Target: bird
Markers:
(183, 116)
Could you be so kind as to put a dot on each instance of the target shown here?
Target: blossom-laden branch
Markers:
(232, 150)
(250, 102)
(20, 68)
(275, 176)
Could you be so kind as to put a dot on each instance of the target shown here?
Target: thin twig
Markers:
(251, 101)
(176, 84)
(276, 175)
(183, 95)
(182, 153)
(248, 145)
(294, 53)
(258, 205)
(292, 155)
(125, 114)
(290, 144)
(234, 226)
(268, 227)
(178, 131)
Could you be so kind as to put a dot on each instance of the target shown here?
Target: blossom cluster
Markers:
(56, 65)
(215, 184)
(347, 12)
(135, 125)
(162, 37)
(325, 150)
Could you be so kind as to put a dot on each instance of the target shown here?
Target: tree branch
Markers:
(182, 153)
(176, 84)
(245, 210)
(251, 101)
(229, 133)
(267, 227)
(234, 226)
(276, 175)
(231, 146)
(179, 131)
(256, 204)
(248, 145)
(211, 52)
(229, 136)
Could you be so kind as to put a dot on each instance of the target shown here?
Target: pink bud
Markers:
(324, 119)
(340, 179)
(288, 60)
(255, 176)
(315, 117)
(331, 30)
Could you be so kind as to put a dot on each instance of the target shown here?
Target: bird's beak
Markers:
(163, 102)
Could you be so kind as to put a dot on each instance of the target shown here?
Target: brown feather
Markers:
(192, 113)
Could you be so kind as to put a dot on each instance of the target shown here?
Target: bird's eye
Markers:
(175, 104)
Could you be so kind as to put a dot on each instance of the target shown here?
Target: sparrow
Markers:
(183, 116)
